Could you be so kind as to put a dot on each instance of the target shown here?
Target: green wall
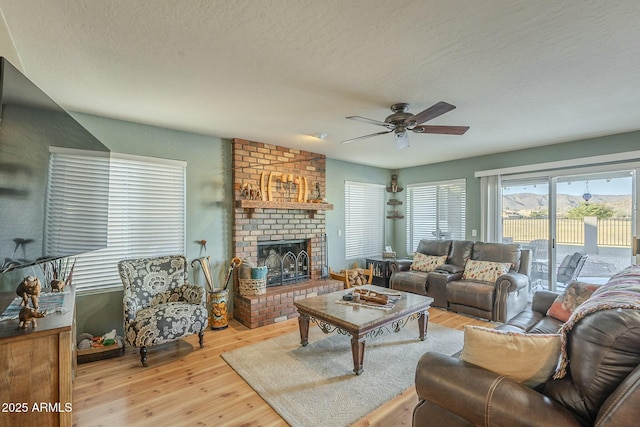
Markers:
(209, 194)
(466, 168)
(337, 172)
(209, 190)
(208, 207)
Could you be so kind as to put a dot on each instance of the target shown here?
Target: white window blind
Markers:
(435, 211)
(364, 219)
(77, 201)
(146, 218)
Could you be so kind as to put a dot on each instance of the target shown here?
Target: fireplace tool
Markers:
(216, 298)
(325, 261)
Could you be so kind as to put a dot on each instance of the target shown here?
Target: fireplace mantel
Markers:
(251, 205)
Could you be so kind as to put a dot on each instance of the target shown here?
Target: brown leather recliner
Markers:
(497, 301)
(602, 385)
(423, 283)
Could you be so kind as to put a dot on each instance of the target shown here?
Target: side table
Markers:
(381, 271)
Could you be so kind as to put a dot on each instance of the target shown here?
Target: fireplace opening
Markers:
(287, 261)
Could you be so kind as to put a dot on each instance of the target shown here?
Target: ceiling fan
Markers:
(402, 121)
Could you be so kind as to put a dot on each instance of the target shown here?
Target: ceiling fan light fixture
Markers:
(401, 140)
(402, 121)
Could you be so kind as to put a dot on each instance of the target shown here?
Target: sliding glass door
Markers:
(578, 226)
(525, 220)
(594, 218)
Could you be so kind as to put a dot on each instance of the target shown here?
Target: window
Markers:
(146, 218)
(364, 219)
(435, 211)
(77, 202)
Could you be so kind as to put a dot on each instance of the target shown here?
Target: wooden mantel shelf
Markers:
(251, 205)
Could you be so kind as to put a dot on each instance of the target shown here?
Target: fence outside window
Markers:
(615, 232)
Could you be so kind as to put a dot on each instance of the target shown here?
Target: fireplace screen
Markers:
(287, 261)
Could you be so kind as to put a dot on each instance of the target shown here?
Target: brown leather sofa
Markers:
(498, 301)
(534, 320)
(602, 385)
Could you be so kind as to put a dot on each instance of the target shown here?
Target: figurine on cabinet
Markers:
(29, 288)
(57, 285)
(29, 315)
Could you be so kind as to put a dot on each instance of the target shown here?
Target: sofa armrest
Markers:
(542, 301)
(400, 265)
(192, 294)
(482, 397)
(450, 268)
(511, 291)
(511, 282)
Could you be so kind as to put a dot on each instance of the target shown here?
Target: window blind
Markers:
(76, 201)
(364, 219)
(436, 211)
(146, 217)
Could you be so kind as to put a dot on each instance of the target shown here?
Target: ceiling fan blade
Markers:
(371, 121)
(430, 113)
(365, 136)
(442, 130)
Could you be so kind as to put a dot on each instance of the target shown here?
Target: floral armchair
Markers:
(159, 304)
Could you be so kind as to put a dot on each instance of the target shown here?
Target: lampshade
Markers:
(402, 140)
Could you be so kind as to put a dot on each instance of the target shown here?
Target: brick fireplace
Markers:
(280, 215)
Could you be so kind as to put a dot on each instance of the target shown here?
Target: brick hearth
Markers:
(281, 222)
(277, 304)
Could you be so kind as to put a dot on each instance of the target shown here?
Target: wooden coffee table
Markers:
(361, 322)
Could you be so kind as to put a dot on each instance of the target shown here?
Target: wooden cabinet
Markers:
(381, 271)
(38, 365)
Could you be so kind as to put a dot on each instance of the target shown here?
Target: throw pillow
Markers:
(422, 262)
(574, 295)
(484, 271)
(529, 359)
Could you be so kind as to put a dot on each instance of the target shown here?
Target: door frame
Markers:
(551, 177)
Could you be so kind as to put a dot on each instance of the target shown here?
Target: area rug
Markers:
(315, 385)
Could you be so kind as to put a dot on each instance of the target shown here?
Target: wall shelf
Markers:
(395, 216)
(312, 208)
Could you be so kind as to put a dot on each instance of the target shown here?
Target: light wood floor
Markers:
(186, 385)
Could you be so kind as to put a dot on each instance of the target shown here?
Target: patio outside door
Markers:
(525, 220)
(595, 217)
(577, 226)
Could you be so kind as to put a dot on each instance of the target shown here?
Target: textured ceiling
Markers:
(522, 73)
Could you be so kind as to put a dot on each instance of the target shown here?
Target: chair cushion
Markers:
(525, 358)
(410, 281)
(484, 271)
(461, 251)
(165, 322)
(498, 252)
(574, 295)
(472, 294)
(427, 263)
(434, 247)
(145, 278)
